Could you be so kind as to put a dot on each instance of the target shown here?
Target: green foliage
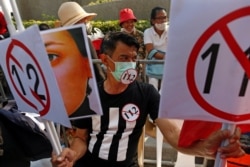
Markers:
(48, 17)
(113, 25)
(105, 26)
(142, 25)
(99, 2)
(28, 23)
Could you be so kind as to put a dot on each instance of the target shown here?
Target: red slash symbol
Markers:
(44, 99)
(219, 26)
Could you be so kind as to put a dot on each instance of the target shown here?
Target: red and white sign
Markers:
(207, 64)
(30, 77)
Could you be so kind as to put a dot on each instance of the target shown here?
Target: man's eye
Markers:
(52, 57)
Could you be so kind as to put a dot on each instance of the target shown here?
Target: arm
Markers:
(204, 148)
(157, 55)
(77, 149)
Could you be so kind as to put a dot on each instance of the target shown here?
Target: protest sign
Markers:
(207, 61)
(30, 77)
(207, 64)
(68, 51)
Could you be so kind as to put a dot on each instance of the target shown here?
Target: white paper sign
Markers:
(69, 53)
(29, 75)
(207, 61)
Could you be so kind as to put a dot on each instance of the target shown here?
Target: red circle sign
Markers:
(221, 26)
(19, 89)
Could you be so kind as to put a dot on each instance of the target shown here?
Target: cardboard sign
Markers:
(30, 77)
(207, 63)
(68, 51)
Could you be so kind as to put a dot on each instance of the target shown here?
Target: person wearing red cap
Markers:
(127, 22)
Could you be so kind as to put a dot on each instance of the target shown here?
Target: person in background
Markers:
(155, 40)
(43, 26)
(111, 139)
(4, 33)
(127, 21)
(71, 13)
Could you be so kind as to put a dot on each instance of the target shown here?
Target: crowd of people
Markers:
(111, 139)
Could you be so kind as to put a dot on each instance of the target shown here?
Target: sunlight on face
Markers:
(71, 69)
(128, 25)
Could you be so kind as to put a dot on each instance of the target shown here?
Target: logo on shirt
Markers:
(130, 112)
(129, 76)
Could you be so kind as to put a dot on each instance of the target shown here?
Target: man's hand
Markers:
(65, 159)
(233, 149)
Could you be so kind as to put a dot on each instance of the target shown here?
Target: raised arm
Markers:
(205, 148)
(77, 149)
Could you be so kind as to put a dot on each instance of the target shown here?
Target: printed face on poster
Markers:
(207, 66)
(69, 55)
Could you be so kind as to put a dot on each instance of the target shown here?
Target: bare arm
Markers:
(158, 55)
(79, 143)
(77, 149)
(205, 148)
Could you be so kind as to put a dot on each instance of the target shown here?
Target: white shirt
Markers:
(159, 42)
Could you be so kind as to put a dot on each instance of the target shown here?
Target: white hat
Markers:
(70, 13)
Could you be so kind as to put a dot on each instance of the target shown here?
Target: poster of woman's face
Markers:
(67, 50)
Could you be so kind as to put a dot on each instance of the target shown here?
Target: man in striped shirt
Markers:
(111, 139)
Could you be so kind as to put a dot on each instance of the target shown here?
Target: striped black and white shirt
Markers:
(114, 136)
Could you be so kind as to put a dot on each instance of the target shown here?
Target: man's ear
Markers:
(103, 57)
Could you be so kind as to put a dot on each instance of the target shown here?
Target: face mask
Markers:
(125, 30)
(162, 26)
(88, 27)
(125, 72)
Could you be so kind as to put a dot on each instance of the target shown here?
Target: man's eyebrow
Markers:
(123, 55)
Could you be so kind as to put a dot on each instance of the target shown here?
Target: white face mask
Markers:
(88, 27)
(125, 30)
(125, 72)
(162, 26)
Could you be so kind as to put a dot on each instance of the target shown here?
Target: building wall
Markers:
(141, 8)
(35, 9)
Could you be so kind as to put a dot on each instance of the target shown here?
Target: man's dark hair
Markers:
(110, 40)
(154, 12)
(43, 26)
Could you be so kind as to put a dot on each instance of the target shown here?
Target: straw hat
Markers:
(126, 14)
(70, 13)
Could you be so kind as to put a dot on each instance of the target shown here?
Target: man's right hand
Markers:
(65, 159)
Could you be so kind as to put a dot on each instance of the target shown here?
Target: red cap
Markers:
(126, 14)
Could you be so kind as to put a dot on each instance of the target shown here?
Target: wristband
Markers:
(152, 53)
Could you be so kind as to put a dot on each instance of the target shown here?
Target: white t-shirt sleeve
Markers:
(147, 36)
